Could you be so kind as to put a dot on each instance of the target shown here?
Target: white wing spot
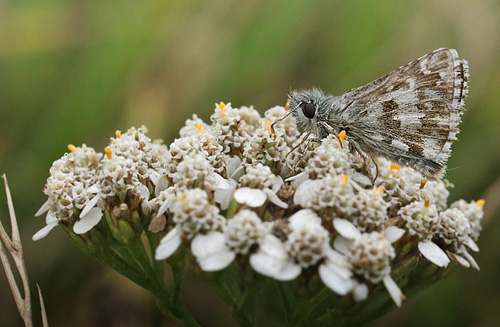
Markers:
(400, 145)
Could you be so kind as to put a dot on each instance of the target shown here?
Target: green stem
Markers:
(177, 264)
(309, 308)
(116, 262)
(169, 306)
(138, 252)
(229, 288)
(245, 308)
(284, 300)
(124, 253)
(153, 241)
(233, 206)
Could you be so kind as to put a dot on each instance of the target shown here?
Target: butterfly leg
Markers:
(298, 145)
(301, 156)
(366, 161)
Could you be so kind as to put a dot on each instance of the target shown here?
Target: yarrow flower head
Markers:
(84, 185)
(239, 192)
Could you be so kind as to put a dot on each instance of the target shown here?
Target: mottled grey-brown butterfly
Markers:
(409, 116)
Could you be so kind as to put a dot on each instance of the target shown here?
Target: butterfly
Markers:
(409, 116)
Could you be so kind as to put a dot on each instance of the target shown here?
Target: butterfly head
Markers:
(310, 108)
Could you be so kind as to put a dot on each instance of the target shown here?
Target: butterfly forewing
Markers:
(410, 115)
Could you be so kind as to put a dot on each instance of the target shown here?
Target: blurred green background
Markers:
(75, 71)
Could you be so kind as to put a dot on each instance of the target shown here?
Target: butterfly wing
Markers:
(410, 115)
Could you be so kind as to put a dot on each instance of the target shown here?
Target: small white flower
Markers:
(258, 185)
(328, 159)
(87, 222)
(168, 244)
(51, 221)
(369, 255)
(334, 193)
(336, 272)
(272, 260)
(211, 251)
(250, 196)
(244, 230)
(308, 240)
(194, 213)
(255, 197)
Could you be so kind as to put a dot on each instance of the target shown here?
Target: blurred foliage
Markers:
(74, 71)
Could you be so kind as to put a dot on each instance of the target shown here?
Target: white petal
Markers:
(100, 203)
(168, 244)
(165, 206)
(232, 165)
(266, 265)
(304, 216)
(90, 205)
(345, 228)
(238, 173)
(146, 208)
(393, 233)
(154, 176)
(471, 244)
(334, 281)
(208, 244)
(360, 292)
(342, 244)
(85, 223)
(251, 197)
(393, 290)
(355, 185)
(469, 258)
(272, 246)
(216, 261)
(51, 217)
(339, 262)
(272, 260)
(433, 253)
(277, 182)
(274, 198)
(93, 189)
(211, 251)
(44, 231)
(143, 192)
(459, 259)
(289, 272)
(298, 179)
(225, 196)
(272, 267)
(43, 208)
(161, 185)
(221, 182)
(306, 192)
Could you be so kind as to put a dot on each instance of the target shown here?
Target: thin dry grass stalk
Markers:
(14, 246)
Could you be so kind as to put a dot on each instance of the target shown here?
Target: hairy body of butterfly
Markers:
(409, 116)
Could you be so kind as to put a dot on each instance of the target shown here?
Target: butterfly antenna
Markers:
(288, 114)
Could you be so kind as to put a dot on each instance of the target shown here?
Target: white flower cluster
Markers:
(224, 191)
(83, 183)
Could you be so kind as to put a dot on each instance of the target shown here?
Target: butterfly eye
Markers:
(309, 109)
